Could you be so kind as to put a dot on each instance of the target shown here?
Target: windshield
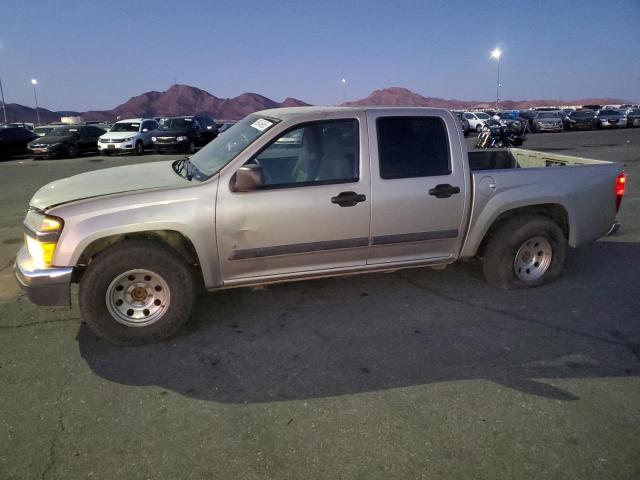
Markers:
(42, 130)
(547, 115)
(176, 124)
(224, 148)
(482, 116)
(63, 131)
(609, 112)
(582, 114)
(125, 127)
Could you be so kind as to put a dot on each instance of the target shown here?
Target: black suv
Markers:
(184, 134)
(66, 142)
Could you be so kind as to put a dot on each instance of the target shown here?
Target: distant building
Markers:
(71, 120)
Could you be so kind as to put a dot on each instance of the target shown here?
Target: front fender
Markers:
(188, 211)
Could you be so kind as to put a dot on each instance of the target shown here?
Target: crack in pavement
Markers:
(634, 348)
(60, 428)
(43, 322)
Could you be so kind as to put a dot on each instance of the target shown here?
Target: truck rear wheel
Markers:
(136, 292)
(524, 252)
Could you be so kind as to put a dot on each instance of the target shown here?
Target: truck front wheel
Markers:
(523, 252)
(136, 292)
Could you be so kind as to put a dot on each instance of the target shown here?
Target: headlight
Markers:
(153, 139)
(41, 236)
(182, 139)
(128, 139)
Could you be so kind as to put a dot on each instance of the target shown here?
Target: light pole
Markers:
(344, 90)
(497, 53)
(34, 82)
(4, 105)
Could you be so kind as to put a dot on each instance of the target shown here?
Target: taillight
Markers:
(621, 183)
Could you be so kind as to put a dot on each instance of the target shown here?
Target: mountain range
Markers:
(188, 100)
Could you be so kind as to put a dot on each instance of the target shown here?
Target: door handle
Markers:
(348, 199)
(444, 190)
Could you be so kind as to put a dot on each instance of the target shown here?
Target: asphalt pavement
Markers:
(415, 374)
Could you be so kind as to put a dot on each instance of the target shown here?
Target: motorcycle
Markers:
(501, 134)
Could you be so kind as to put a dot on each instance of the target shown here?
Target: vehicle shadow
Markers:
(373, 332)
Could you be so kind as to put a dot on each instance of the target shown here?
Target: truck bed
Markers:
(508, 158)
(506, 179)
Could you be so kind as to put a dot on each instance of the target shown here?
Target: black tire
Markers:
(139, 148)
(121, 258)
(191, 149)
(72, 150)
(478, 128)
(504, 243)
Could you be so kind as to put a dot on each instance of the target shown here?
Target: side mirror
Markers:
(247, 179)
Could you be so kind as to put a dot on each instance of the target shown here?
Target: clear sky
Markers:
(97, 54)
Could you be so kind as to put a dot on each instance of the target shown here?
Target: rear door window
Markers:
(410, 147)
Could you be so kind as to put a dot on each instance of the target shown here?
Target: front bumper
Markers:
(54, 152)
(550, 128)
(47, 286)
(618, 124)
(171, 147)
(116, 147)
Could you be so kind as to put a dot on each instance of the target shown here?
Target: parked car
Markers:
(66, 142)
(44, 129)
(582, 120)
(184, 134)
(14, 140)
(224, 126)
(529, 116)
(132, 135)
(610, 118)
(476, 120)
(593, 107)
(247, 210)
(464, 123)
(633, 117)
(548, 121)
(100, 124)
(28, 126)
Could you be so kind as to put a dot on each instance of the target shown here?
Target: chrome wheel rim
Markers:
(138, 298)
(533, 259)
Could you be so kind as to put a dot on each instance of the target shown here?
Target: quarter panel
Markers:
(585, 191)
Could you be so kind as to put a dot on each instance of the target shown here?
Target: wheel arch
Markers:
(177, 241)
(554, 211)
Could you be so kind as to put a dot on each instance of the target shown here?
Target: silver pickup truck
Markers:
(298, 193)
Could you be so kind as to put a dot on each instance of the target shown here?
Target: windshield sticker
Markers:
(261, 124)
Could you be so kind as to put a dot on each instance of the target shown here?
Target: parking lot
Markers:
(414, 374)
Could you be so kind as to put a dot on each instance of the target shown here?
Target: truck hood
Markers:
(107, 181)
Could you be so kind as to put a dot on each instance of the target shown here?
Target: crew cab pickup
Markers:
(298, 193)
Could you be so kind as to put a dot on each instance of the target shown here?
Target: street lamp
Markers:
(4, 105)
(344, 90)
(497, 53)
(34, 82)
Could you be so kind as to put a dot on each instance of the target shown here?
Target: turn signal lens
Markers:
(41, 253)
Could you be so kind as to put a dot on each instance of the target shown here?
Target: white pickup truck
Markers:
(297, 193)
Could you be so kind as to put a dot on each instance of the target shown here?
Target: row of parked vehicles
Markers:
(135, 135)
(590, 117)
